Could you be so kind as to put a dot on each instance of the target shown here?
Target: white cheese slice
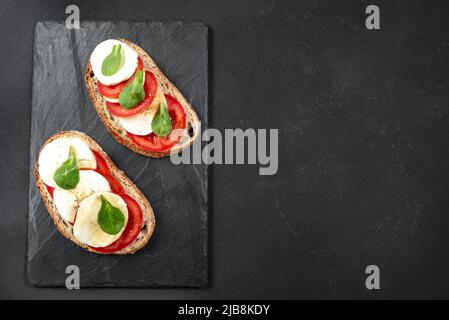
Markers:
(100, 53)
(54, 154)
(141, 124)
(90, 182)
(66, 201)
(86, 228)
(113, 100)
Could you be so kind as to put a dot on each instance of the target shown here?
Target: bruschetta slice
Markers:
(136, 102)
(91, 201)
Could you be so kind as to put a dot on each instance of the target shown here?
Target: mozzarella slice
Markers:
(90, 182)
(113, 100)
(140, 124)
(66, 201)
(86, 228)
(100, 53)
(56, 152)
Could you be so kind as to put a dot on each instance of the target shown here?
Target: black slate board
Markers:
(177, 253)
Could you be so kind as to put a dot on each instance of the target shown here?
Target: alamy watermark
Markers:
(373, 280)
(73, 20)
(372, 22)
(236, 146)
(72, 282)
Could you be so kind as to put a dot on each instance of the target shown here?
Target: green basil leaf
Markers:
(161, 124)
(67, 175)
(133, 93)
(110, 218)
(113, 62)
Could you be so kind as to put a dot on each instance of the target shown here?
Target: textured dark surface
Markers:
(363, 120)
(177, 252)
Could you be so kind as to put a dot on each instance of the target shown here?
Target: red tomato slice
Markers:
(50, 190)
(102, 165)
(150, 87)
(116, 186)
(114, 90)
(132, 229)
(150, 142)
(103, 169)
(178, 119)
(177, 113)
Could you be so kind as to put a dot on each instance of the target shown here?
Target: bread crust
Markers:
(166, 86)
(66, 229)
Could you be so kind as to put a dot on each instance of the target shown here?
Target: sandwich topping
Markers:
(68, 175)
(113, 62)
(87, 196)
(134, 97)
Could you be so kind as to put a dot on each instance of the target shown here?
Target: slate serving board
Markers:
(176, 256)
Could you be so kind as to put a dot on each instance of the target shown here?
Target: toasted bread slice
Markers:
(130, 188)
(192, 122)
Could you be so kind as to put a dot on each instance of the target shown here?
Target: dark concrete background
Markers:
(363, 162)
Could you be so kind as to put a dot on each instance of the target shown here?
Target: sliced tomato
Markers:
(103, 169)
(116, 187)
(132, 229)
(150, 142)
(102, 165)
(178, 119)
(150, 87)
(113, 91)
(177, 113)
(50, 190)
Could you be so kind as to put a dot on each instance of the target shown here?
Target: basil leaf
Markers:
(133, 93)
(110, 218)
(67, 175)
(161, 124)
(113, 62)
